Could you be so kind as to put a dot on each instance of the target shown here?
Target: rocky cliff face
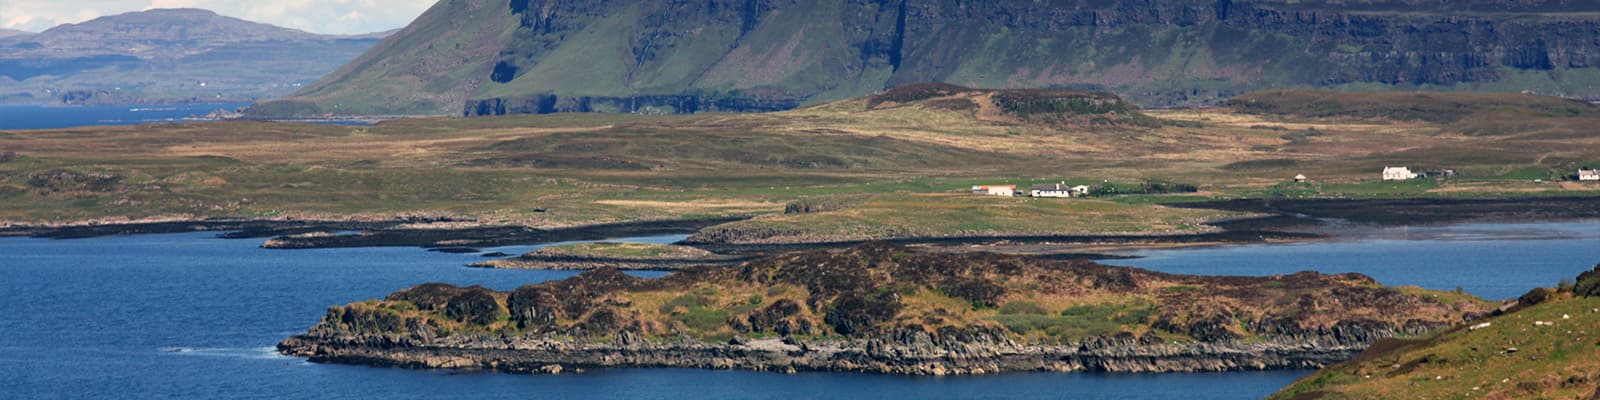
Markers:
(765, 53)
(909, 353)
(880, 308)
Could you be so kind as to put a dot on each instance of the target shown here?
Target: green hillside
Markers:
(479, 57)
(1549, 349)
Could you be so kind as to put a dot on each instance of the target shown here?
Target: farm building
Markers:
(1058, 190)
(995, 190)
(1588, 175)
(1398, 174)
(1301, 178)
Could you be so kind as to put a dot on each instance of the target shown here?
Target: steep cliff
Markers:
(887, 309)
(518, 56)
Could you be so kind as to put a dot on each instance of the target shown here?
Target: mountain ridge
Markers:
(167, 55)
(775, 54)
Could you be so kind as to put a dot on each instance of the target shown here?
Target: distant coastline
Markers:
(58, 116)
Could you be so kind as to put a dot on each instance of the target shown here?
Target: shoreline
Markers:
(534, 261)
(906, 353)
(1276, 222)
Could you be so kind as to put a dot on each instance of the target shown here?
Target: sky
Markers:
(319, 16)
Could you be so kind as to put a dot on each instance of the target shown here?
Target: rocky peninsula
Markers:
(885, 309)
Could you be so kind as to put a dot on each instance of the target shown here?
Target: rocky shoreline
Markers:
(535, 261)
(974, 352)
(1276, 220)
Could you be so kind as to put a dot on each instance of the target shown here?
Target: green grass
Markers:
(1475, 363)
(620, 250)
(1076, 322)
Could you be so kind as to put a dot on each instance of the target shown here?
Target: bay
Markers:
(16, 117)
(188, 316)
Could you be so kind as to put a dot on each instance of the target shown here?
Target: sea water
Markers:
(189, 316)
(14, 117)
(1493, 261)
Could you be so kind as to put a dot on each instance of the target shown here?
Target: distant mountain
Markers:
(473, 56)
(162, 56)
(5, 33)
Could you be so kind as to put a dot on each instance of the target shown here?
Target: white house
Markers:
(1589, 175)
(995, 190)
(1080, 191)
(1301, 178)
(1398, 174)
(1057, 190)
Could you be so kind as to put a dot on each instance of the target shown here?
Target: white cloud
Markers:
(321, 16)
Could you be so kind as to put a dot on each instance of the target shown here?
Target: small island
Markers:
(621, 256)
(886, 309)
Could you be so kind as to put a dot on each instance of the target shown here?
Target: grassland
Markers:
(904, 157)
(1549, 350)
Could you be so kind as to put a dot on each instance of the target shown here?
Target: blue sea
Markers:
(1493, 261)
(14, 117)
(188, 316)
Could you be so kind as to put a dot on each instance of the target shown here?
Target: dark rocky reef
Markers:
(886, 309)
(486, 236)
(540, 261)
(1411, 211)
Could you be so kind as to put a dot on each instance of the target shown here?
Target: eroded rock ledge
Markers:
(910, 353)
(886, 309)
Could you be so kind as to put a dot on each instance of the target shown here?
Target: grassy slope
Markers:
(830, 50)
(425, 69)
(603, 168)
(1555, 361)
(1442, 108)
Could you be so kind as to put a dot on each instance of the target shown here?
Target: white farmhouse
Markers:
(995, 190)
(1589, 175)
(1057, 190)
(1398, 174)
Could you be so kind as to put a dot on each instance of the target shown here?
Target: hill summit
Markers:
(477, 57)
